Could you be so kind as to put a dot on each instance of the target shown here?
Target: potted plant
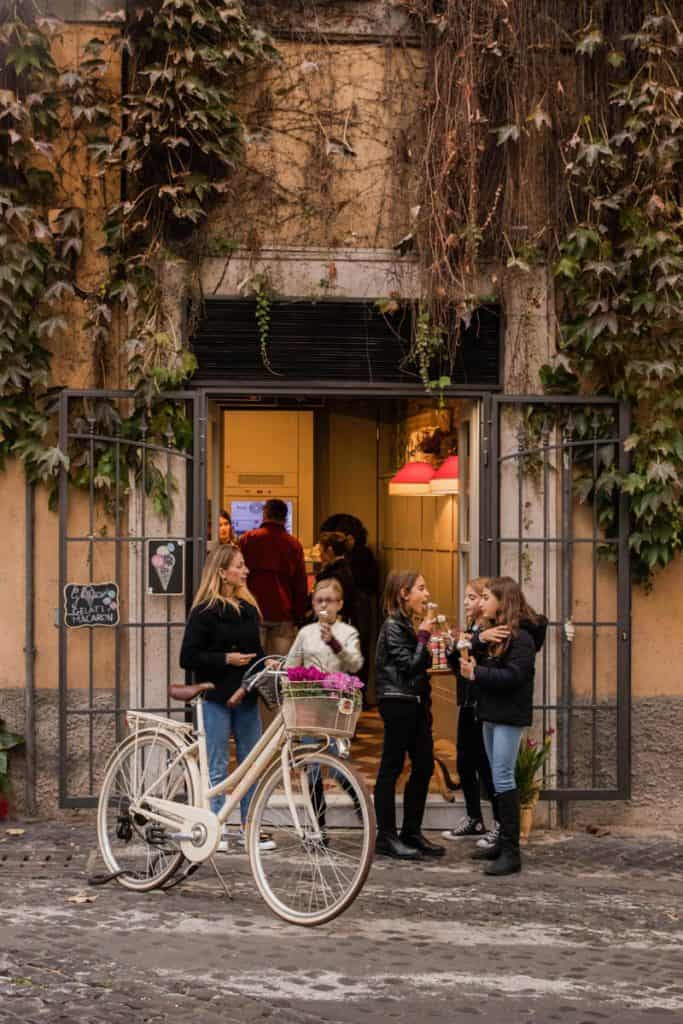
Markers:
(8, 740)
(530, 760)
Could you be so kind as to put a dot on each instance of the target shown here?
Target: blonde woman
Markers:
(221, 640)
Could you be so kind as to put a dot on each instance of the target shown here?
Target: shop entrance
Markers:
(536, 498)
(337, 456)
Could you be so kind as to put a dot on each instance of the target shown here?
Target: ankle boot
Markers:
(509, 861)
(417, 841)
(390, 845)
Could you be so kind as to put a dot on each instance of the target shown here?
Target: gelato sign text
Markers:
(91, 604)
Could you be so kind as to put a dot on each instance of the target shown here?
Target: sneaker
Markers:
(266, 841)
(491, 838)
(465, 829)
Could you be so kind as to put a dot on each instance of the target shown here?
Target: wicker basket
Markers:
(326, 714)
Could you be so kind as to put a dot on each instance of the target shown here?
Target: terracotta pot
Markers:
(526, 818)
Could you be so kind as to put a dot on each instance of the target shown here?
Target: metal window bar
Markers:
(592, 762)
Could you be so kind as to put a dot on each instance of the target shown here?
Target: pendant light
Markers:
(445, 480)
(413, 480)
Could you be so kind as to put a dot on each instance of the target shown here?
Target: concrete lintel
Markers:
(314, 273)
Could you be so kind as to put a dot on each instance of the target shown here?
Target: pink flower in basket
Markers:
(341, 681)
(305, 675)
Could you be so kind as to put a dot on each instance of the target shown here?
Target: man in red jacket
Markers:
(277, 577)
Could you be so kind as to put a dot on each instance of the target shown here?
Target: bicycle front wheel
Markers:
(322, 823)
(132, 843)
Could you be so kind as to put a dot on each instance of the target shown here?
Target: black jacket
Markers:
(402, 661)
(503, 687)
(210, 634)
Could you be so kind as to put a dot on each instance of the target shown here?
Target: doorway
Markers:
(337, 456)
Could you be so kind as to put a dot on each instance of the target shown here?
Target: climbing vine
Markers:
(620, 277)
(40, 239)
(176, 137)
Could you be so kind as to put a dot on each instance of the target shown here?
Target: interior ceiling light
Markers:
(445, 479)
(413, 479)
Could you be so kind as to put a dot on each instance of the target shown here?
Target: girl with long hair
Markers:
(501, 678)
(221, 640)
(403, 691)
(474, 769)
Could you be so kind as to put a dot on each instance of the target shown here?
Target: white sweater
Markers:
(310, 650)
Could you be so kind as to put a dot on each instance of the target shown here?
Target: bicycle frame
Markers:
(274, 741)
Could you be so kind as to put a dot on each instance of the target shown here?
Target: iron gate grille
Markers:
(127, 459)
(554, 518)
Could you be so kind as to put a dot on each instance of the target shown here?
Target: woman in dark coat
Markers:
(403, 693)
(501, 677)
(221, 640)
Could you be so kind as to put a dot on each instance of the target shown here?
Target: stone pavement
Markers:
(591, 931)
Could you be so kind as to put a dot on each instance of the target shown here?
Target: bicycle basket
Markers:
(265, 680)
(328, 714)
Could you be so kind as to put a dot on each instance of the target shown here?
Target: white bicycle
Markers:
(154, 813)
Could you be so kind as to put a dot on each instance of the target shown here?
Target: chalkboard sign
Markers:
(91, 604)
(165, 567)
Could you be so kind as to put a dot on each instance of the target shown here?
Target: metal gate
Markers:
(132, 534)
(554, 518)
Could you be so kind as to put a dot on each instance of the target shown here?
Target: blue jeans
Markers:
(244, 723)
(502, 743)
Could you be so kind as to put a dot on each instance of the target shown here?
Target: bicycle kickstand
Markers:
(226, 888)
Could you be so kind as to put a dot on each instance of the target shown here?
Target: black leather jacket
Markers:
(402, 661)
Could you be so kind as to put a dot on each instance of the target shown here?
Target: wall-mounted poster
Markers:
(166, 567)
(91, 604)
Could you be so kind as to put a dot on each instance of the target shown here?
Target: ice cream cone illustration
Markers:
(164, 562)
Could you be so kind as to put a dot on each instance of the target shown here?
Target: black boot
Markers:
(391, 846)
(509, 861)
(419, 842)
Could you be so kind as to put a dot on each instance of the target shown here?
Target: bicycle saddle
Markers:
(184, 692)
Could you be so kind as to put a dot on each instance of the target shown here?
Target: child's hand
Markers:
(325, 631)
(467, 667)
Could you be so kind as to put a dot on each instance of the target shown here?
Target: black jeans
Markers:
(407, 730)
(473, 764)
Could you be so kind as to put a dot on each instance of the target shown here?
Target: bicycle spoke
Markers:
(310, 877)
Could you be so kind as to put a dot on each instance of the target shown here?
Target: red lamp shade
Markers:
(412, 479)
(445, 480)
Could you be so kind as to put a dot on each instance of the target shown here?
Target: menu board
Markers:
(91, 604)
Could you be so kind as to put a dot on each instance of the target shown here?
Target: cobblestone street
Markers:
(591, 931)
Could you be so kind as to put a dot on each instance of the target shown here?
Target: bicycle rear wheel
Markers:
(130, 842)
(323, 851)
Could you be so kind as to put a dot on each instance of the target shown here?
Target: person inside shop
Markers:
(364, 571)
(474, 769)
(500, 676)
(226, 534)
(335, 565)
(404, 695)
(275, 560)
(221, 640)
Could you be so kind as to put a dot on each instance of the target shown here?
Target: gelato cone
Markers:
(164, 563)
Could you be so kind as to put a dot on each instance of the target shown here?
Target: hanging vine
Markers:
(176, 137)
(620, 276)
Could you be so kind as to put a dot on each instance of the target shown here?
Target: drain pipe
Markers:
(30, 654)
